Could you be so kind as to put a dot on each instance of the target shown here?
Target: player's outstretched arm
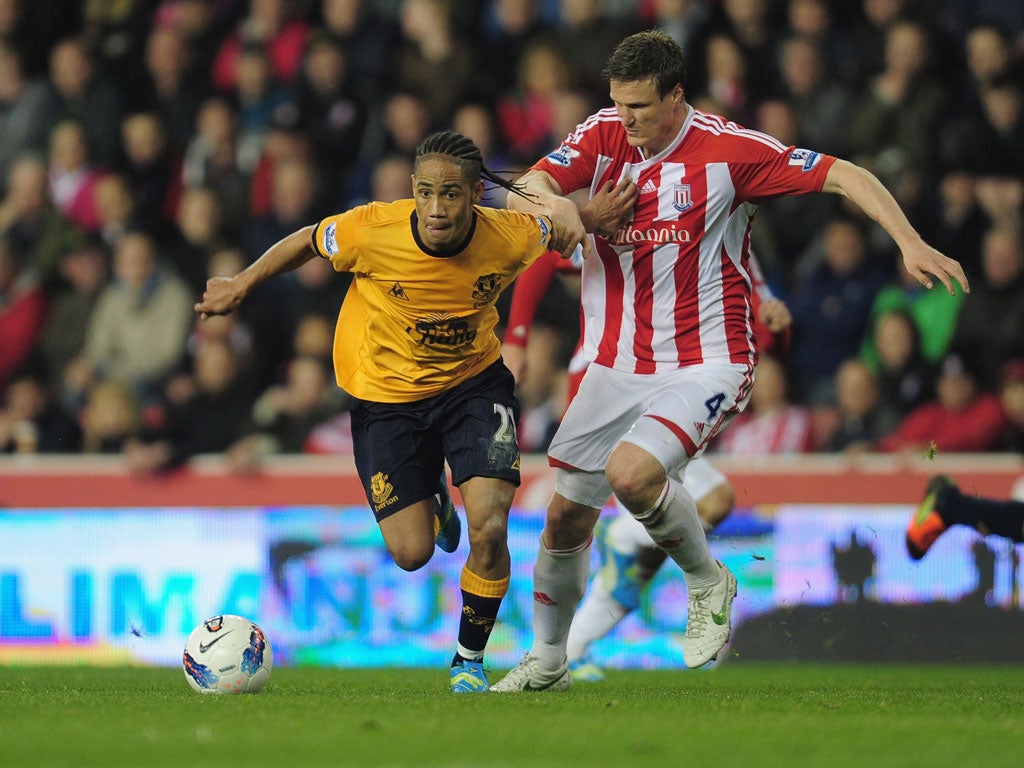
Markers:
(541, 194)
(224, 294)
(923, 262)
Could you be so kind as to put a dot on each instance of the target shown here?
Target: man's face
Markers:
(650, 121)
(444, 202)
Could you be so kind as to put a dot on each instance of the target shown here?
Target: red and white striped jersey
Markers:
(672, 288)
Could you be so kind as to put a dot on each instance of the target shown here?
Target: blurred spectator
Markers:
(990, 54)
(285, 415)
(30, 420)
(749, 24)
(526, 111)
(294, 203)
(34, 26)
(957, 222)
(855, 422)
(786, 227)
(1003, 136)
(151, 170)
(169, 91)
(115, 207)
(109, 418)
(272, 25)
(407, 123)
(314, 337)
(367, 40)
(934, 314)
(285, 140)
(430, 52)
(73, 175)
(509, 26)
(331, 113)
(201, 24)
(477, 121)
(31, 222)
(1011, 398)
(257, 97)
(893, 120)
(211, 160)
(991, 319)
(868, 35)
(259, 332)
(22, 110)
(84, 271)
(23, 307)
(138, 330)
(906, 379)
(727, 86)
(831, 307)
(115, 32)
(772, 423)
(820, 22)
(77, 93)
(963, 417)
(198, 230)
(591, 33)
(391, 179)
(682, 20)
(203, 412)
(820, 101)
(1001, 197)
(316, 288)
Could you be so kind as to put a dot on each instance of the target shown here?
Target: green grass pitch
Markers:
(741, 715)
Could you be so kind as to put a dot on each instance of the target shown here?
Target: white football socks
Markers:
(559, 580)
(674, 525)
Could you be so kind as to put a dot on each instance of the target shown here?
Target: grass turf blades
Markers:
(743, 715)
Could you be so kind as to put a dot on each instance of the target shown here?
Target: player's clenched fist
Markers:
(222, 296)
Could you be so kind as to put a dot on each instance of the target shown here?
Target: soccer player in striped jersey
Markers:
(629, 558)
(415, 346)
(667, 325)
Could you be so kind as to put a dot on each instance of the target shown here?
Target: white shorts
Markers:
(702, 477)
(671, 415)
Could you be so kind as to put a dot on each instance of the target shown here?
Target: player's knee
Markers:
(412, 558)
(635, 476)
(489, 542)
(568, 524)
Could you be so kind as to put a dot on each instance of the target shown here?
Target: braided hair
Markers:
(467, 155)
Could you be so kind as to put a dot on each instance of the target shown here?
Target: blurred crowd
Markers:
(146, 145)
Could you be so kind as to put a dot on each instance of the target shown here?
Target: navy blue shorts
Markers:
(400, 448)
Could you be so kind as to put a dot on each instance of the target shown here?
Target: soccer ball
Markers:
(227, 654)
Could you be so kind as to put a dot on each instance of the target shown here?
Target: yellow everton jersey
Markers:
(415, 324)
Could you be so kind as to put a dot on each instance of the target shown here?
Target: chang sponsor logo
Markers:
(444, 331)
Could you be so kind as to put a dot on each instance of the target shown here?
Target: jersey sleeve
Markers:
(333, 239)
(572, 164)
(763, 172)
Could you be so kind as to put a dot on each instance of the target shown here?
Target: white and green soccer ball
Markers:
(227, 654)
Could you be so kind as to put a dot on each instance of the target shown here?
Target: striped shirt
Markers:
(672, 288)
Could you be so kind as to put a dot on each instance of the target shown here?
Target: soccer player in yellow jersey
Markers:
(415, 345)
